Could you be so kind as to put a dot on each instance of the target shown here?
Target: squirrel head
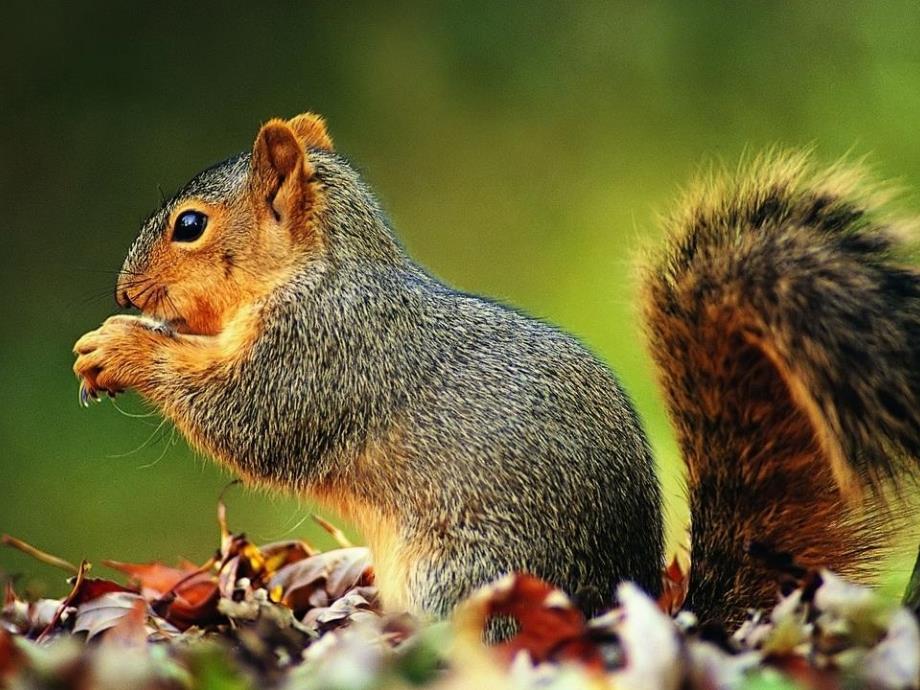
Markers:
(232, 234)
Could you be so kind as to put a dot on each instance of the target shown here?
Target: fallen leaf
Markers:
(322, 578)
(154, 579)
(91, 588)
(10, 657)
(105, 611)
(650, 643)
(894, 663)
(9, 594)
(358, 602)
(65, 602)
(550, 628)
(282, 553)
(131, 629)
(191, 602)
(674, 583)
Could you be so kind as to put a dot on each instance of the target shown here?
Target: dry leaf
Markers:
(105, 611)
(322, 578)
(154, 579)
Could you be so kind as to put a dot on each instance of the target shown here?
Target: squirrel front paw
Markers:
(117, 355)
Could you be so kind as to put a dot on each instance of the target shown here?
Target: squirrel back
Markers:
(785, 323)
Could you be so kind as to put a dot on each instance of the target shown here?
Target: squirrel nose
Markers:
(124, 299)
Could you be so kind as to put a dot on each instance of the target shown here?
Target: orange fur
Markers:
(395, 558)
(116, 355)
(208, 291)
(199, 286)
(311, 131)
(282, 176)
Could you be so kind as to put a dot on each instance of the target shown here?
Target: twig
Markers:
(81, 574)
(336, 533)
(225, 536)
(40, 555)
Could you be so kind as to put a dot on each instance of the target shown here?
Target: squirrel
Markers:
(285, 331)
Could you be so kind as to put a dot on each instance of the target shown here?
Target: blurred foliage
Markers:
(522, 151)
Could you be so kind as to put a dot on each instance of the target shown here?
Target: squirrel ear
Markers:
(311, 131)
(281, 177)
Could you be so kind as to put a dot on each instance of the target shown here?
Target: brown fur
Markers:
(754, 314)
(394, 558)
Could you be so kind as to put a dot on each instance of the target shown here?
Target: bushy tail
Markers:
(785, 323)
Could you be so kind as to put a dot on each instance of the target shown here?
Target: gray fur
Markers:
(513, 448)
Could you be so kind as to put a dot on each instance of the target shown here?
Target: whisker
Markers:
(95, 297)
(172, 305)
(132, 415)
(143, 445)
(108, 271)
(136, 283)
(156, 301)
(103, 293)
(137, 298)
(285, 532)
(166, 447)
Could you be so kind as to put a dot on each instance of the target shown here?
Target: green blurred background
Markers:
(522, 152)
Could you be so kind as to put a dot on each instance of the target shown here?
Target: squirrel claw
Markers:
(86, 394)
(83, 395)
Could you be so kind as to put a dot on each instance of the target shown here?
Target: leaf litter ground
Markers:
(285, 615)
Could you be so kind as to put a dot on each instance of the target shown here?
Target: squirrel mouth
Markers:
(175, 324)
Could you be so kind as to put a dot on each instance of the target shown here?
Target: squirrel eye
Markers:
(189, 226)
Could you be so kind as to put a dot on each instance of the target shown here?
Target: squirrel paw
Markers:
(115, 356)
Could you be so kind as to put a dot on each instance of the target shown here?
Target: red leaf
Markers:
(550, 627)
(674, 583)
(155, 579)
(10, 657)
(91, 588)
(804, 673)
(192, 602)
